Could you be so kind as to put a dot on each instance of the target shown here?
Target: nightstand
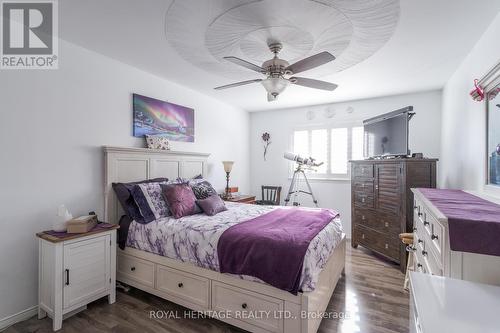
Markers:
(74, 270)
(248, 199)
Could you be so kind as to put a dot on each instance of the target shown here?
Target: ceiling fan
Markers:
(277, 70)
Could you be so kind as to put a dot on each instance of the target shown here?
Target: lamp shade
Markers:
(228, 165)
(275, 85)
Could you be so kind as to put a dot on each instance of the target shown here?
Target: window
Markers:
(332, 146)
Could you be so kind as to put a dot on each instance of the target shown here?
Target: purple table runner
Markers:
(474, 223)
(272, 246)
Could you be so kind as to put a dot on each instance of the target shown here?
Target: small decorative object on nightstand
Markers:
(249, 199)
(228, 166)
(74, 270)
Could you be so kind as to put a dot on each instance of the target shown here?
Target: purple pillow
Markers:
(212, 205)
(180, 199)
(124, 194)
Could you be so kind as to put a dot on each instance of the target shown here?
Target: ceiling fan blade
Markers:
(311, 83)
(271, 98)
(311, 62)
(245, 64)
(237, 84)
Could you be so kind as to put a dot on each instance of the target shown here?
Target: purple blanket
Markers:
(272, 246)
(474, 223)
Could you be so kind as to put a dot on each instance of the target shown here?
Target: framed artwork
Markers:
(155, 117)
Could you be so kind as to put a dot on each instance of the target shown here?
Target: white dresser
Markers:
(439, 304)
(432, 253)
(75, 271)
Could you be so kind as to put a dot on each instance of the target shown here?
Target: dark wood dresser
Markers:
(382, 202)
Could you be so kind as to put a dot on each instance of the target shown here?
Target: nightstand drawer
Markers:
(136, 269)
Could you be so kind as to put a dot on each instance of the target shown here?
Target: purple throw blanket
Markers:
(474, 223)
(272, 246)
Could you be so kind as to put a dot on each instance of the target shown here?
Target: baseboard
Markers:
(20, 316)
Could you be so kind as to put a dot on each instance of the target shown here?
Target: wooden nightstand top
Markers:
(56, 237)
(250, 199)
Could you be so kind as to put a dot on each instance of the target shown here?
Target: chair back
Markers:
(271, 195)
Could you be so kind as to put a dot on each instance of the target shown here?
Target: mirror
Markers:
(492, 98)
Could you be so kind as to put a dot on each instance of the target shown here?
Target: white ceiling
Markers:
(430, 41)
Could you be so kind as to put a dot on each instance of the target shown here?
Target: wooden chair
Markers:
(271, 195)
(407, 239)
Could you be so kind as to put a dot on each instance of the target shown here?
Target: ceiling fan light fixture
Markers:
(275, 85)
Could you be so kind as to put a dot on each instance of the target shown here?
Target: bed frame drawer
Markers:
(141, 271)
(185, 286)
(246, 306)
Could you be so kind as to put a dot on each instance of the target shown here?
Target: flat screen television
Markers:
(387, 135)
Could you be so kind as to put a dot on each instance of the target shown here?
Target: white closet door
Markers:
(86, 270)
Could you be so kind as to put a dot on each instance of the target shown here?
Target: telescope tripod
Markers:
(295, 190)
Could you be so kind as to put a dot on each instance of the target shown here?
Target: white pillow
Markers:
(157, 142)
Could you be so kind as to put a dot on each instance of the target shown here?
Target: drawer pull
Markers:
(414, 229)
(362, 236)
(386, 224)
(244, 305)
(426, 223)
(386, 246)
(132, 269)
(420, 214)
(419, 265)
(67, 276)
(363, 199)
(376, 187)
(420, 241)
(363, 217)
(433, 237)
(424, 253)
(180, 285)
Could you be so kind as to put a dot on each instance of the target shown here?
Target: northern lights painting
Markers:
(152, 117)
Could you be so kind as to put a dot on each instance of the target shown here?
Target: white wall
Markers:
(463, 142)
(52, 127)
(424, 137)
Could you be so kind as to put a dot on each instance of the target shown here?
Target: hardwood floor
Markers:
(370, 295)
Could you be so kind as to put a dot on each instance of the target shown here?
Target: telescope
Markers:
(309, 162)
(303, 163)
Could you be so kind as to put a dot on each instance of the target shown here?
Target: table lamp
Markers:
(228, 166)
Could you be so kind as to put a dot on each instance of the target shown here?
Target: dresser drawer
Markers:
(436, 234)
(385, 223)
(185, 286)
(242, 304)
(363, 200)
(363, 170)
(136, 269)
(363, 186)
(377, 241)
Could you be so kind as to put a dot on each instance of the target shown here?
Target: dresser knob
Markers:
(419, 265)
(362, 236)
(414, 229)
(363, 217)
(244, 305)
(420, 214)
(132, 269)
(386, 246)
(420, 241)
(424, 253)
(433, 237)
(363, 200)
(426, 223)
(386, 224)
(180, 285)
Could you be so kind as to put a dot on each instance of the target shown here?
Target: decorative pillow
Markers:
(124, 195)
(157, 142)
(180, 199)
(212, 205)
(150, 200)
(203, 189)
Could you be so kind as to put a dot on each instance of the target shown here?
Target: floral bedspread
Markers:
(194, 239)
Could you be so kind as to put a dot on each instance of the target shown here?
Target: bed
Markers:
(160, 258)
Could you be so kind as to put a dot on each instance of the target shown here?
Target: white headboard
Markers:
(134, 164)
